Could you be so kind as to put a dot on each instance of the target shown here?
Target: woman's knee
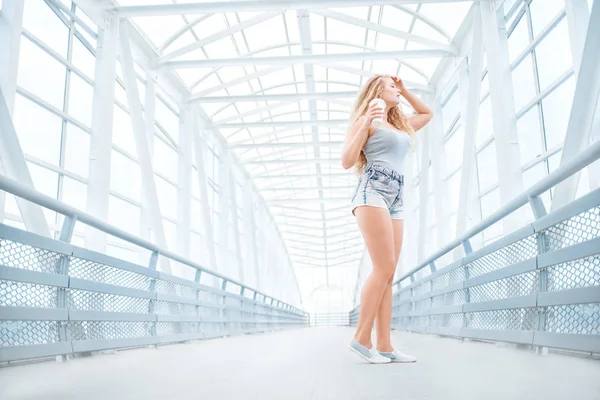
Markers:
(386, 273)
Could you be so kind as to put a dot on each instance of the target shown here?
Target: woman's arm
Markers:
(357, 136)
(424, 112)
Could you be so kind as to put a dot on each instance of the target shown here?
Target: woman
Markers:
(378, 151)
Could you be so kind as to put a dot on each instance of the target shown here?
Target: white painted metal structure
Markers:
(214, 128)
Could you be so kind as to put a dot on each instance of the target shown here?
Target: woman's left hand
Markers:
(399, 83)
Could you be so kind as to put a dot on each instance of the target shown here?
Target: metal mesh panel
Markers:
(404, 295)
(92, 271)
(167, 308)
(22, 256)
(84, 300)
(578, 229)
(449, 278)
(449, 299)
(579, 318)
(422, 288)
(19, 294)
(514, 253)
(447, 320)
(175, 289)
(517, 319)
(420, 322)
(574, 274)
(176, 328)
(86, 330)
(17, 333)
(422, 304)
(209, 297)
(514, 286)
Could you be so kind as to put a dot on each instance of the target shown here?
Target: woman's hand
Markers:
(399, 84)
(372, 113)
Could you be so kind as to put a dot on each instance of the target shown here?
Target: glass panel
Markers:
(543, 12)
(485, 123)
(518, 40)
(556, 110)
(125, 176)
(77, 150)
(41, 21)
(123, 215)
(523, 83)
(39, 131)
(487, 167)
(530, 139)
(83, 59)
(553, 55)
(454, 150)
(41, 74)
(74, 193)
(80, 100)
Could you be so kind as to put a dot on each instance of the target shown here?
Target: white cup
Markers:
(381, 104)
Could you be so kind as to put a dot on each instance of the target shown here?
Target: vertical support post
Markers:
(578, 18)
(184, 181)
(224, 212)
(135, 109)
(66, 234)
(583, 110)
(250, 220)
(203, 185)
(149, 119)
(224, 304)
(102, 129)
(235, 221)
(470, 89)
(510, 175)
(424, 202)
(152, 265)
(438, 164)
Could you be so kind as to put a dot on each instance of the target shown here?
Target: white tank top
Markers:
(388, 146)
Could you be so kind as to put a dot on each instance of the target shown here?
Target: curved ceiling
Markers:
(279, 84)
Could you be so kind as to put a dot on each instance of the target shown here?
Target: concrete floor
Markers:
(310, 363)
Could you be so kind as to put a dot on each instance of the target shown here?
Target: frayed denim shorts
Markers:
(380, 186)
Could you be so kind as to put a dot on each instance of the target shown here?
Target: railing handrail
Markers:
(18, 189)
(585, 158)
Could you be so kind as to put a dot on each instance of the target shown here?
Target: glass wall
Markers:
(53, 121)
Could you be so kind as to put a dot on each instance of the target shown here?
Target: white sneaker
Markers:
(371, 355)
(399, 357)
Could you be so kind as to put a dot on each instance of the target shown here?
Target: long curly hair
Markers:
(372, 89)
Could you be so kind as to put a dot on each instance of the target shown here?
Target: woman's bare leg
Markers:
(383, 321)
(377, 230)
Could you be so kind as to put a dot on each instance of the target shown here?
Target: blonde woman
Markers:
(377, 143)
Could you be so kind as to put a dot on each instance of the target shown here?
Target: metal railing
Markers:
(330, 319)
(538, 286)
(59, 299)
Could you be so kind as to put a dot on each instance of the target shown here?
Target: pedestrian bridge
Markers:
(516, 319)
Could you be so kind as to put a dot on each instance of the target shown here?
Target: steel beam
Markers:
(276, 97)
(583, 109)
(149, 119)
(508, 155)
(269, 124)
(470, 88)
(452, 49)
(253, 6)
(184, 181)
(141, 141)
(304, 59)
(219, 35)
(98, 188)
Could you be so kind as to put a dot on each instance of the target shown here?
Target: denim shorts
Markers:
(380, 186)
